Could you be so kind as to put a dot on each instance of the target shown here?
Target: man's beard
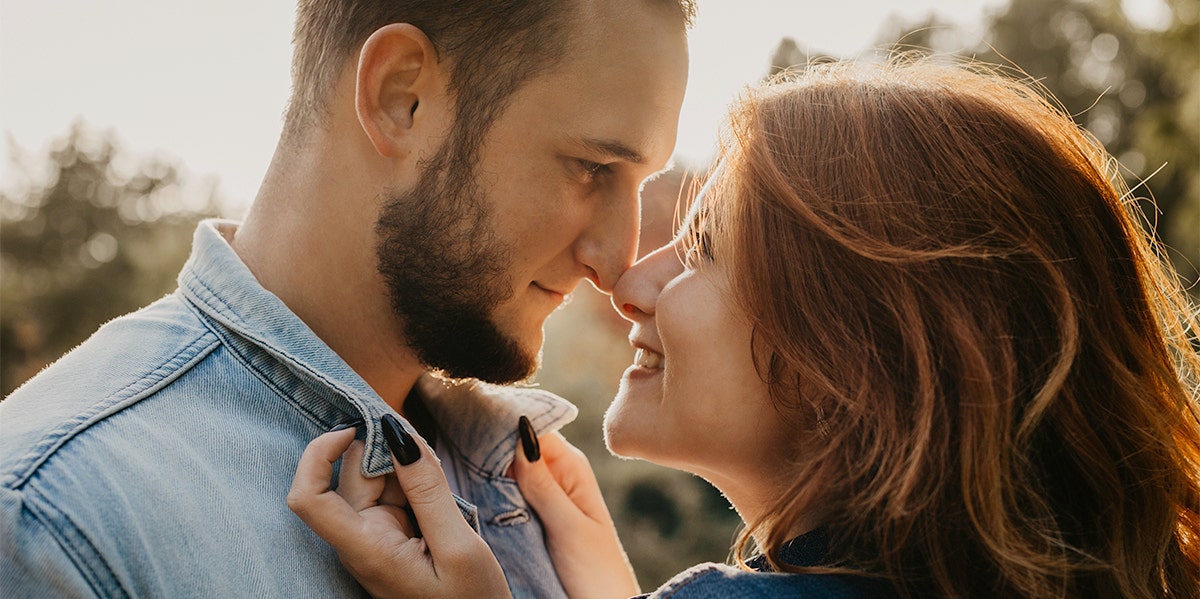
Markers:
(446, 274)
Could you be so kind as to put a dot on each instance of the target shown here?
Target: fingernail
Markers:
(345, 425)
(529, 441)
(399, 441)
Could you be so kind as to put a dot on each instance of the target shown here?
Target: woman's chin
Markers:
(618, 436)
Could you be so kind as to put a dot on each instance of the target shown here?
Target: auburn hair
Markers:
(991, 371)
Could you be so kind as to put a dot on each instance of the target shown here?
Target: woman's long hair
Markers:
(991, 371)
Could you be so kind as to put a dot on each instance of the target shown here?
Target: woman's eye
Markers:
(699, 250)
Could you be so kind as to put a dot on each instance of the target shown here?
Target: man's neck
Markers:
(305, 242)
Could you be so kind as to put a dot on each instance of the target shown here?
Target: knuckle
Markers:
(543, 481)
(463, 555)
(422, 487)
(457, 557)
(296, 502)
(578, 453)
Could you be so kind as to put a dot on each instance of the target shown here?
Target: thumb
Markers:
(424, 484)
(323, 510)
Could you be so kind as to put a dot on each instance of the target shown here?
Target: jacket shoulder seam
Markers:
(140, 388)
(38, 509)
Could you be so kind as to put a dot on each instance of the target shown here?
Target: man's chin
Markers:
(494, 376)
(517, 361)
(499, 362)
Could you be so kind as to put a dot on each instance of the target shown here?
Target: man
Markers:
(448, 172)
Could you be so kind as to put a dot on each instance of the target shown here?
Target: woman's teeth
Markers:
(647, 359)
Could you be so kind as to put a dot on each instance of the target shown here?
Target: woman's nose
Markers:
(636, 292)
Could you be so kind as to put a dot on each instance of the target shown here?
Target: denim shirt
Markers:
(154, 460)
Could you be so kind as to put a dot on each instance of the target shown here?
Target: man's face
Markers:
(475, 262)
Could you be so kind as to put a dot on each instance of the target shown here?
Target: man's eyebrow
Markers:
(612, 148)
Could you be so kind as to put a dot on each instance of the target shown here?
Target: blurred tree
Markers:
(652, 507)
(1135, 86)
(789, 56)
(91, 233)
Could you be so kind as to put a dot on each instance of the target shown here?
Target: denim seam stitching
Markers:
(137, 390)
(68, 547)
(223, 308)
(510, 518)
(378, 463)
(257, 373)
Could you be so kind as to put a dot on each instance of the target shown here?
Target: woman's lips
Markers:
(645, 358)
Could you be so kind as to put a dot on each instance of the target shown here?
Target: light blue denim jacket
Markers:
(154, 460)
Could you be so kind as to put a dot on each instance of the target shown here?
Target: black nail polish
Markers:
(529, 441)
(345, 425)
(403, 446)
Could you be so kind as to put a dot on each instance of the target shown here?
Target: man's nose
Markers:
(608, 245)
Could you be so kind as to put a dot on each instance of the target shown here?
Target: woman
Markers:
(913, 333)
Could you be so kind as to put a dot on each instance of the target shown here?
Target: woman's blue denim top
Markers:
(154, 460)
(718, 581)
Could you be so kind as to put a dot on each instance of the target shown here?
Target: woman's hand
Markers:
(580, 535)
(374, 536)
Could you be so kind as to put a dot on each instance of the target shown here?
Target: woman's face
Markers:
(692, 399)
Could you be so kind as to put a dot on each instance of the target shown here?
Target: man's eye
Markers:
(594, 169)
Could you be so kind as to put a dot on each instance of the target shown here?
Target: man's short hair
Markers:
(493, 46)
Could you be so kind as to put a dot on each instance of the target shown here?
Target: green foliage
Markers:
(1136, 89)
(91, 234)
(788, 57)
(1133, 88)
(101, 233)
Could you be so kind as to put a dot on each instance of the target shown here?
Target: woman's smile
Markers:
(645, 358)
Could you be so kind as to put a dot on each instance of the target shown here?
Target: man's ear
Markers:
(396, 68)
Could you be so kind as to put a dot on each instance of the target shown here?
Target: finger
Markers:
(323, 510)
(428, 493)
(390, 517)
(359, 491)
(392, 494)
(315, 468)
(573, 471)
(543, 492)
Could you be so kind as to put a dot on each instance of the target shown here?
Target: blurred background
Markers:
(126, 123)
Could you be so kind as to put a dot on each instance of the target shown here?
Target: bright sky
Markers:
(206, 81)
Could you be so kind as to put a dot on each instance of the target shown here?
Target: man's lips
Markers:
(554, 292)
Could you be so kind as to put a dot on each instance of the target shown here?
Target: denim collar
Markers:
(808, 549)
(480, 420)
